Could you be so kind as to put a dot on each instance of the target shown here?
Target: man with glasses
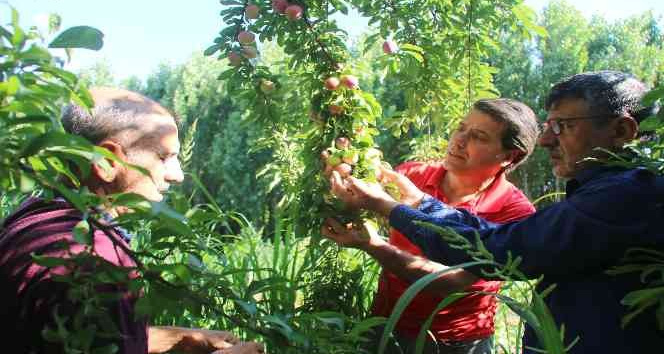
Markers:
(572, 243)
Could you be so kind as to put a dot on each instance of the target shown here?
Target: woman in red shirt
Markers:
(493, 139)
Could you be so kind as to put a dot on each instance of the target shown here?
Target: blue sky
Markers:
(140, 34)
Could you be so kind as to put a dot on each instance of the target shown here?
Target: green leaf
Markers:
(49, 262)
(82, 233)
(79, 37)
(27, 183)
(212, 49)
(11, 86)
(650, 124)
(652, 96)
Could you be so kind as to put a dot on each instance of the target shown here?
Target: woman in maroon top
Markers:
(495, 137)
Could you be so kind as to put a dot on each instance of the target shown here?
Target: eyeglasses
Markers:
(558, 125)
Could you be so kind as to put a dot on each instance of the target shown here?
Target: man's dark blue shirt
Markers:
(572, 243)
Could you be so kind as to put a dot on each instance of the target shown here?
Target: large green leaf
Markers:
(79, 37)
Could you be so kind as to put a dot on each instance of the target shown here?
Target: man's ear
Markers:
(108, 170)
(625, 129)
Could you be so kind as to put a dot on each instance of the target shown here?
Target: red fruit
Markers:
(294, 12)
(246, 37)
(279, 6)
(325, 154)
(342, 143)
(332, 83)
(344, 169)
(251, 12)
(335, 109)
(249, 52)
(267, 86)
(235, 59)
(350, 81)
(389, 47)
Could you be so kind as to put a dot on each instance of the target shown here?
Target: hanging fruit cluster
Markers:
(343, 116)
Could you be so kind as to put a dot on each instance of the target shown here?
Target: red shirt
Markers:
(470, 317)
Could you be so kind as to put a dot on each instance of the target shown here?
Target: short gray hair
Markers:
(102, 122)
(612, 93)
(116, 113)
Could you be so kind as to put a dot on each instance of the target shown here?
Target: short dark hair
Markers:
(521, 128)
(613, 93)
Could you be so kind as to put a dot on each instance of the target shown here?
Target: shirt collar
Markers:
(433, 181)
(491, 200)
(588, 174)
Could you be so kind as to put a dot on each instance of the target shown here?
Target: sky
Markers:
(141, 34)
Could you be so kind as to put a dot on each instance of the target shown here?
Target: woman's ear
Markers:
(107, 169)
(625, 129)
(508, 157)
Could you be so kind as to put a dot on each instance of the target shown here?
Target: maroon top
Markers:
(29, 294)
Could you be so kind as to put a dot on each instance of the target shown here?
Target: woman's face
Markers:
(476, 146)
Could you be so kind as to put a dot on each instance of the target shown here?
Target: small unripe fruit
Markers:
(251, 12)
(389, 47)
(334, 160)
(246, 37)
(249, 52)
(235, 59)
(332, 83)
(344, 169)
(350, 81)
(335, 109)
(342, 143)
(267, 86)
(294, 12)
(279, 6)
(351, 157)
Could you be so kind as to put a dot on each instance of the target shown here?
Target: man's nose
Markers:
(174, 172)
(460, 139)
(547, 138)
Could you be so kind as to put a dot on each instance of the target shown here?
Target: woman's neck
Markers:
(459, 188)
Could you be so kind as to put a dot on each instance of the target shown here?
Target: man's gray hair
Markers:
(611, 93)
(100, 123)
(116, 113)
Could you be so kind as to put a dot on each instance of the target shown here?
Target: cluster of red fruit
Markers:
(333, 83)
(247, 39)
(248, 49)
(292, 11)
